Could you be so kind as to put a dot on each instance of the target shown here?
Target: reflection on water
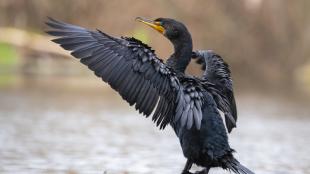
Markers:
(61, 131)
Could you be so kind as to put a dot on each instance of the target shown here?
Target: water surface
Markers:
(47, 130)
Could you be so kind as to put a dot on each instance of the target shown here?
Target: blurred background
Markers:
(57, 117)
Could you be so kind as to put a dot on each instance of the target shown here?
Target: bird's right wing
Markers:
(133, 70)
(217, 72)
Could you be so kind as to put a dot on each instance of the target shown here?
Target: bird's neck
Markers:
(182, 54)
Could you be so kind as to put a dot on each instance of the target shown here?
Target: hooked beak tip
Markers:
(138, 19)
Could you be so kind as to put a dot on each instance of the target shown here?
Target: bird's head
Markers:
(170, 28)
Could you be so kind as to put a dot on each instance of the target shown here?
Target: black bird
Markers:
(189, 104)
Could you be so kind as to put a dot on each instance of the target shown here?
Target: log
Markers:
(30, 40)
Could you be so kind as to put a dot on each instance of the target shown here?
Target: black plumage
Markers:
(217, 72)
(189, 104)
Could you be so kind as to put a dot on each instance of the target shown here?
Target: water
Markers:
(48, 130)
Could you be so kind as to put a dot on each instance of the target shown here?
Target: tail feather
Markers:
(235, 166)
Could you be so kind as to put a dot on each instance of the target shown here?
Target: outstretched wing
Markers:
(132, 69)
(217, 72)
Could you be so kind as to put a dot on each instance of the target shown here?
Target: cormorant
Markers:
(191, 105)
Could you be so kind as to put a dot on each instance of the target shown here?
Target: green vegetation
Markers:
(8, 62)
(8, 56)
(142, 35)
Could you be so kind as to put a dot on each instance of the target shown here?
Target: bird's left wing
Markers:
(217, 72)
(133, 70)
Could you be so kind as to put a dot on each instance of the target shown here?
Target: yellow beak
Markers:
(155, 25)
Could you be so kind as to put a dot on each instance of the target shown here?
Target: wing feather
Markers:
(134, 71)
(217, 72)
